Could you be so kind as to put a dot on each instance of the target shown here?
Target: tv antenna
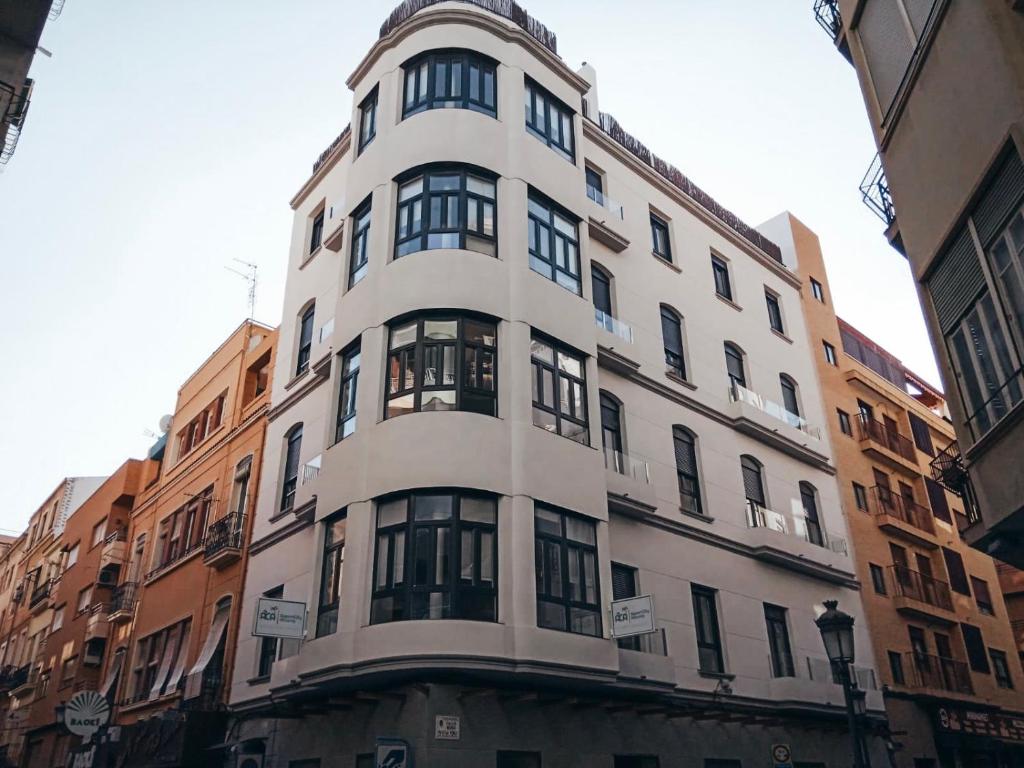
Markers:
(250, 277)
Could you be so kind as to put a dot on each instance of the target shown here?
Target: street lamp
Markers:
(836, 630)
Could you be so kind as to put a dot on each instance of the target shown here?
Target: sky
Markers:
(166, 137)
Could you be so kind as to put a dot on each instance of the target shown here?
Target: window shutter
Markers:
(686, 459)
(752, 484)
(975, 645)
(956, 282)
(623, 582)
(922, 437)
(957, 574)
(937, 500)
(1002, 197)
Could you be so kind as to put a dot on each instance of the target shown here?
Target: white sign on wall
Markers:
(447, 727)
(85, 713)
(279, 618)
(633, 616)
(393, 753)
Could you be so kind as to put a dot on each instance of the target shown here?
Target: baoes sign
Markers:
(85, 713)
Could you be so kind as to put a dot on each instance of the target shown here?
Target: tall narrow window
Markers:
(812, 522)
(268, 649)
(896, 667)
(817, 290)
(830, 353)
(974, 642)
(553, 243)
(845, 425)
(982, 596)
(778, 641)
(774, 312)
(442, 363)
(330, 576)
(721, 272)
(922, 435)
(559, 390)
(624, 586)
(595, 186)
(734, 366)
(1007, 259)
(789, 399)
(316, 233)
(360, 257)
(290, 481)
(611, 429)
(709, 639)
(937, 500)
(567, 578)
(436, 557)
(686, 471)
(1000, 669)
(601, 285)
(753, 484)
(447, 207)
(305, 346)
(672, 338)
(549, 120)
(660, 244)
(368, 119)
(347, 394)
(450, 79)
(955, 569)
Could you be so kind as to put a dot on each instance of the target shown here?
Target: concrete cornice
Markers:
(313, 381)
(334, 155)
(279, 535)
(482, 20)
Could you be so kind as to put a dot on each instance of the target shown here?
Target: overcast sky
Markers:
(166, 137)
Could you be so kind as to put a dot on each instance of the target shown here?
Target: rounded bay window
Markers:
(450, 79)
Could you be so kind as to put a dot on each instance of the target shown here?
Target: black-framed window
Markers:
(368, 119)
(346, 424)
(601, 287)
(723, 287)
(660, 244)
(789, 398)
(812, 521)
(625, 586)
(672, 338)
(709, 637)
(830, 353)
(778, 641)
(896, 667)
(554, 243)
(878, 579)
(436, 557)
(774, 312)
(267, 653)
(611, 424)
(442, 363)
(331, 561)
(753, 481)
(549, 120)
(316, 233)
(817, 290)
(451, 79)
(937, 500)
(568, 592)
(447, 206)
(595, 185)
(845, 425)
(687, 471)
(922, 435)
(290, 481)
(305, 340)
(734, 365)
(957, 574)
(559, 383)
(1000, 668)
(860, 497)
(359, 259)
(974, 642)
(982, 596)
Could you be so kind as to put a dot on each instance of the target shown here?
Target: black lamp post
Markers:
(836, 630)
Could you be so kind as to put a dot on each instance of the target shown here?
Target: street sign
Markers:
(782, 756)
(85, 713)
(633, 616)
(279, 618)
(447, 727)
(393, 753)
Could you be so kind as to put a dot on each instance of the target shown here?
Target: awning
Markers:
(179, 665)
(169, 652)
(194, 680)
(112, 674)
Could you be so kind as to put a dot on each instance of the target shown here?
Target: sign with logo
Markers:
(975, 723)
(392, 753)
(782, 756)
(85, 713)
(633, 616)
(279, 618)
(447, 727)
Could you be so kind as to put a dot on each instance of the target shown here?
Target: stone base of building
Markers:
(451, 726)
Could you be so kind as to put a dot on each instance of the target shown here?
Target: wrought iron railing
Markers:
(185, 551)
(874, 191)
(998, 405)
(13, 119)
(826, 12)
(948, 468)
(893, 504)
(871, 429)
(929, 671)
(124, 597)
(226, 533)
(921, 587)
(40, 593)
(119, 535)
(741, 394)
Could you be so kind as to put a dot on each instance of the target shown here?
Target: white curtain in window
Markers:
(169, 652)
(193, 683)
(113, 673)
(179, 665)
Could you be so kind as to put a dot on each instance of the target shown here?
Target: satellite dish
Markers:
(165, 422)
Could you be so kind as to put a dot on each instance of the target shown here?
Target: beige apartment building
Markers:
(943, 643)
(943, 83)
(526, 367)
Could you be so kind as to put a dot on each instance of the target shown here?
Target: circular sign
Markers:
(781, 753)
(85, 713)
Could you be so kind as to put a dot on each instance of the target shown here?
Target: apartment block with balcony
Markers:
(940, 628)
(170, 615)
(503, 400)
(942, 83)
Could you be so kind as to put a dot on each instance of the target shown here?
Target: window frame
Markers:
(878, 579)
(713, 644)
(359, 251)
(541, 368)
(817, 290)
(368, 119)
(425, 97)
(675, 361)
(566, 546)
(689, 482)
(542, 129)
(1000, 668)
(830, 353)
(600, 275)
(660, 227)
(316, 232)
(349, 361)
(304, 339)
(982, 595)
(290, 479)
(788, 386)
(722, 278)
(776, 617)
(332, 558)
(845, 424)
(556, 236)
(774, 305)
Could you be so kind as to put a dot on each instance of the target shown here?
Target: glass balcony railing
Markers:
(653, 643)
(741, 394)
(630, 466)
(599, 197)
(613, 325)
(796, 524)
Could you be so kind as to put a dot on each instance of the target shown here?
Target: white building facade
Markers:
(525, 368)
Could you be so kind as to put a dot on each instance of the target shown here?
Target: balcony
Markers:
(613, 325)
(874, 191)
(607, 226)
(885, 444)
(301, 496)
(13, 118)
(13, 677)
(826, 13)
(114, 547)
(645, 657)
(740, 394)
(920, 596)
(122, 603)
(936, 673)
(789, 541)
(97, 625)
(948, 468)
(794, 525)
(599, 197)
(224, 540)
(25, 680)
(629, 466)
(38, 598)
(903, 518)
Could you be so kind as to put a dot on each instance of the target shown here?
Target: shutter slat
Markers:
(956, 281)
(1002, 197)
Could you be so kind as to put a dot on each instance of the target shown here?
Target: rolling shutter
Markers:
(956, 281)
(623, 582)
(1001, 199)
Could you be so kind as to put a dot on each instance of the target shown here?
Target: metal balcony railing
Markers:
(998, 405)
(119, 535)
(40, 593)
(874, 191)
(599, 197)
(925, 670)
(739, 393)
(920, 587)
(613, 325)
(185, 549)
(826, 12)
(875, 431)
(948, 468)
(225, 533)
(124, 597)
(889, 503)
(630, 466)
(653, 643)
(796, 525)
(13, 118)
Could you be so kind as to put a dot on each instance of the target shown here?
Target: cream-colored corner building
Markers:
(526, 367)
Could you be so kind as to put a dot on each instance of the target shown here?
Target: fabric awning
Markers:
(194, 680)
(112, 674)
(179, 665)
(166, 657)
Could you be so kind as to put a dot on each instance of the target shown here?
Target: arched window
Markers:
(305, 340)
(789, 399)
(611, 426)
(686, 469)
(753, 488)
(672, 336)
(809, 499)
(293, 444)
(601, 283)
(734, 365)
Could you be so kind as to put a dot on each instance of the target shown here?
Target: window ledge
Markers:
(680, 380)
(310, 256)
(666, 263)
(782, 336)
(281, 514)
(717, 675)
(296, 379)
(729, 302)
(706, 519)
(260, 680)
(174, 566)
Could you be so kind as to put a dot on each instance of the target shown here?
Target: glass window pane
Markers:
(398, 566)
(482, 187)
(564, 226)
(542, 351)
(442, 562)
(479, 332)
(475, 509)
(489, 88)
(553, 564)
(449, 182)
(433, 507)
(564, 399)
(438, 400)
(456, 88)
(391, 512)
(547, 521)
(578, 529)
(410, 189)
(446, 330)
(421, 556)
(544, 419)
(382, 561)
(486, 557)
(466, 562)
(570, 365)
(404, 334)
(550, 615)
(398, 406)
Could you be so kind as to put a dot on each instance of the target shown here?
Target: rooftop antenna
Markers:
(249, 276)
